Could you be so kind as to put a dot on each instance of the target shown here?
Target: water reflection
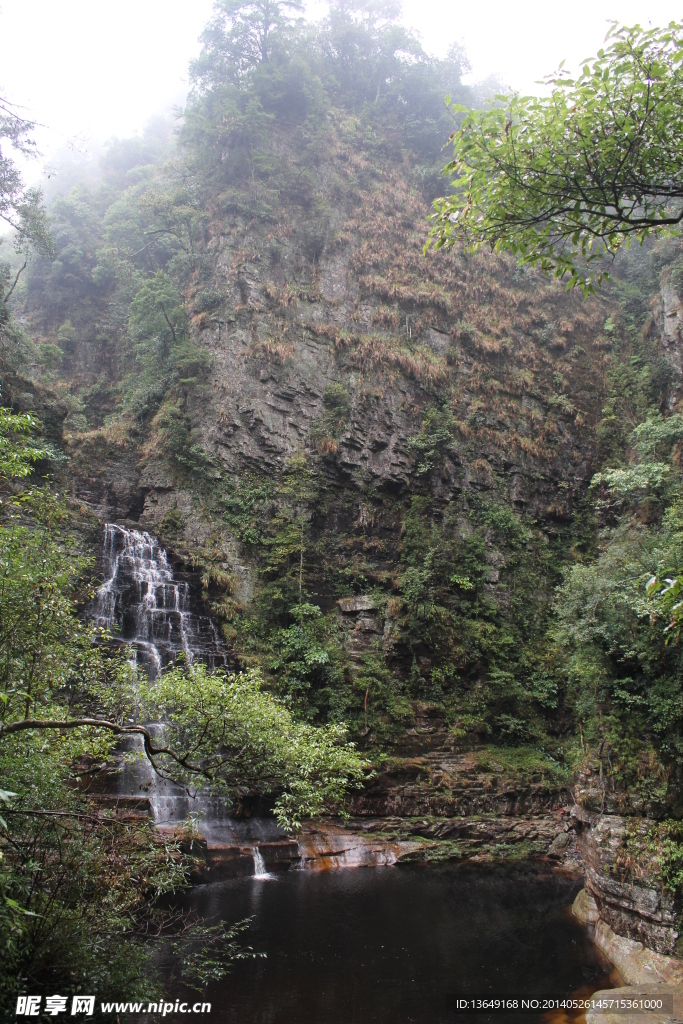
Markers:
(397, 945)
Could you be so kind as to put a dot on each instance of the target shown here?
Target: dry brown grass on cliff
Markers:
(281, 298)
(272, 349)
(420, 363)
(387, 316)
(484, 290)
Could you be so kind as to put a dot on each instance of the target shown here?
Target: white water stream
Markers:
(149, 610)
(146, 607)
(260, 870)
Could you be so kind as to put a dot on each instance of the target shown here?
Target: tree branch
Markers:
(175, 340)
(100, 723)
(15, 281)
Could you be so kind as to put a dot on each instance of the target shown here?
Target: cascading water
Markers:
(149, 607)
(260, 870)
(150, 611)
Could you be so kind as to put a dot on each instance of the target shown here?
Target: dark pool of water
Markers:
(398, 945)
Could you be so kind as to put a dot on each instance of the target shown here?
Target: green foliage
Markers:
(656, 436)
(238, 736)
(435, 441)
(66, 902)
(115, 295)
(286, 123)
(622, 677)
(306, 662)
(240, 37)
(636, 478)
(670, 857)
(387, 707)
(157, 323)
(284, 629)
(245, 507)
(157, 315)
(257, 66)
(206, 954)
(525, 765)
(335, 417)
(17, 452)
(563, 180)
(21, 208)
(79, 889)
(480, 661)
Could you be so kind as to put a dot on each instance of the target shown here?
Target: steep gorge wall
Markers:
(519, 360)
(443, 379)
(425, 386)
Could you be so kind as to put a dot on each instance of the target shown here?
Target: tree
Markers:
(239, 38)
(157, 314)
(367, 47)
(20, 208)
(17, 451)
(565, 180)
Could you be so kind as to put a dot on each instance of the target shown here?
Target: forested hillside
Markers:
(256, 359)
(428, 496)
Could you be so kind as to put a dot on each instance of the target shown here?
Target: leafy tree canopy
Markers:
(20, 208)
(239, 38)
(17, 451)
(367, 47)
(565, 180)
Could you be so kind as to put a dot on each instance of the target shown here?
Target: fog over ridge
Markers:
(87, 72)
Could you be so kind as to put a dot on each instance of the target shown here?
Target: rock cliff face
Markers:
(627, 891)
(446, 784)
(340, 352)
(437, 387)
(617, 840)
(520, 359)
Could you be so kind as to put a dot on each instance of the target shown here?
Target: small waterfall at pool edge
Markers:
(260, 870)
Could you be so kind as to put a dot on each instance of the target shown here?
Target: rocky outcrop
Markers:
(449, 784)
(369, 313)
(484, 837)
(327, 845)
(322, 848)
(636, 963)
(628, 894)
(663, 1005)
(614, 829)
(361, 625)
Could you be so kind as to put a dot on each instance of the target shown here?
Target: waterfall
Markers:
(259, 863)
(151, 609)
(151, 612)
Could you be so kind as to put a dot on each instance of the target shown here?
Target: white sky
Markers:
(90, 69)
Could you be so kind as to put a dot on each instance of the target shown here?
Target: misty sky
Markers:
(90, 69)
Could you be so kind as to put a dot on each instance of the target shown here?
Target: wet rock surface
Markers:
(225, 849)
